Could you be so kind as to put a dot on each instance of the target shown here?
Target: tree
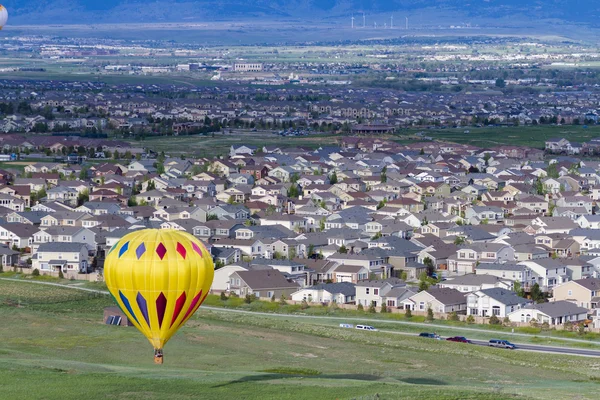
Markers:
(384, 309)
(383, 177)
(536, 293)
(408, 313)
(230, 200)
(83, 174)
(132, 202)
(459, 240)
(494, 320)
(282, 300)
(333, 179)
(430, 267)
(470, 319)
(372, 308)
(403, 275)
(378, 235)
(518, 289)
(552, 171)
(35, 272)
(223, 296)
(360, 308)
(500, 83)
(83, 197)
(343, 250)
(423, 285)
(293, 191)
(453, 316)
(429, 314)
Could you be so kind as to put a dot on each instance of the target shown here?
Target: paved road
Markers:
(520, 346)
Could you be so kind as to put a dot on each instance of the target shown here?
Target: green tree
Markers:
(83, 174)
(429, 314)
(453, 316)
(343, 249)
(360, 307)
(132, 202)
(282, 300)
(518, 289)
(333, 179)
(223, 296)
(428, 262)
(494, 320)
(383, 177)
(470, 319)
(500, 83)
(83, 197)
(384, 309)
(552, 171)
(372, 308)
(408, 313)
(293, 191)
(459, 240)
(536, 293)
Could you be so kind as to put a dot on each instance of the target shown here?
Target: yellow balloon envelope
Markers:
(158, 278)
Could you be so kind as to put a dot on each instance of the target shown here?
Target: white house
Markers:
(555, 313)
(65, 257)
(341, 293)
(494, 301)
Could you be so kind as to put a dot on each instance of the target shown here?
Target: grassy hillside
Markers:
(217, 355)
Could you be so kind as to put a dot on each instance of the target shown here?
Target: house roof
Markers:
(474, 280)
(447, 296)
(590, 284)
(504, 296)
(381, 283)
(345, 288)
(557, 308)
(266, 279)
(60, 247)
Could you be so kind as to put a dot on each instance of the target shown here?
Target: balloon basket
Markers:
(158, 357)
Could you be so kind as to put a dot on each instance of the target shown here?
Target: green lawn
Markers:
(61, 351)
(531, 136)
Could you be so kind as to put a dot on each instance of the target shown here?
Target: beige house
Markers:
(583, 292)
(440, 300)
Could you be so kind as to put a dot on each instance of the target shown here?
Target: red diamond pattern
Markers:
(181, 250)
(161, 250)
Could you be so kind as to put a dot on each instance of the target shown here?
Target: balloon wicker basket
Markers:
(158, 356)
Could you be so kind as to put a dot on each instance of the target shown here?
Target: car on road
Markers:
(366, 328)
(460, 339)
(346, 326)
(430, 335)
(503, 344)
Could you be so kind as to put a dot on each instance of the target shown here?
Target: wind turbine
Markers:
(392, 22)
(406, 23)
(364, 20)
(352, 21)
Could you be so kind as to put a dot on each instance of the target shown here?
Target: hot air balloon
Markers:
(158, 278)
(3, 16)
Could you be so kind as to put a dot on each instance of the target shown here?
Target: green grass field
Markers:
(530, 136)
(208, 146)
(57, 350)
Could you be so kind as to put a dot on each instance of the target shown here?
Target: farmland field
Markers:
(228, 356)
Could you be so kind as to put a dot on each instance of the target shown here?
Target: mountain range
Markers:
(113, 11)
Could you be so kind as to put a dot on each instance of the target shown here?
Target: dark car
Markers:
(460, 339)
(430, 335)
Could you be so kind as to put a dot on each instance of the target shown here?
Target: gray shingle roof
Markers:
(504, 296)
(557, 308)
(60, 246)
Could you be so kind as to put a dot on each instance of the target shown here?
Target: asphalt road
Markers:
(548, 349)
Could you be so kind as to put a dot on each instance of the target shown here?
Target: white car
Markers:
(366, 328)
(346, 326)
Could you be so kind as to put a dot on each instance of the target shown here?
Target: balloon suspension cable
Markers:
(158, 356)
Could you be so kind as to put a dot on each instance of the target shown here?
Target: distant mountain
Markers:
(103, 11)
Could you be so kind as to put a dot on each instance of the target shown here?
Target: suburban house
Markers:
(494, 301)
(554, 313)
(64, 257)
(582, 292)
(340, 293)
(440, 300)
(264, 283)
(373, 291)
(472, 282)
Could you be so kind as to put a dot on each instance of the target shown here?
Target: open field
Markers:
(229, 356)
(531, 136)
(208, 146)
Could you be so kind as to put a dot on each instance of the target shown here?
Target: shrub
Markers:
(1, 269)
(545, 326)
(408, 313)
(223, 296)
(581, 329)
(61, 275)
(282, 300)
(506, 321)
(273, 298)
(360, 308)
(372, 308)
(249, 298)
(384, 309)
(429, 314)
(568, 326)
(533, 323)
(494, 320)
(35, 272)
(470, 319)
(453, 316)
(304, 305)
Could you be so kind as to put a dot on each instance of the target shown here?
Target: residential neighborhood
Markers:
(366, 223)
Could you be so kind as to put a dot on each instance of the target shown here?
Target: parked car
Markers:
(346, 326)
(460, 339)
(365, 328)
(503, 344)
(430, 335)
